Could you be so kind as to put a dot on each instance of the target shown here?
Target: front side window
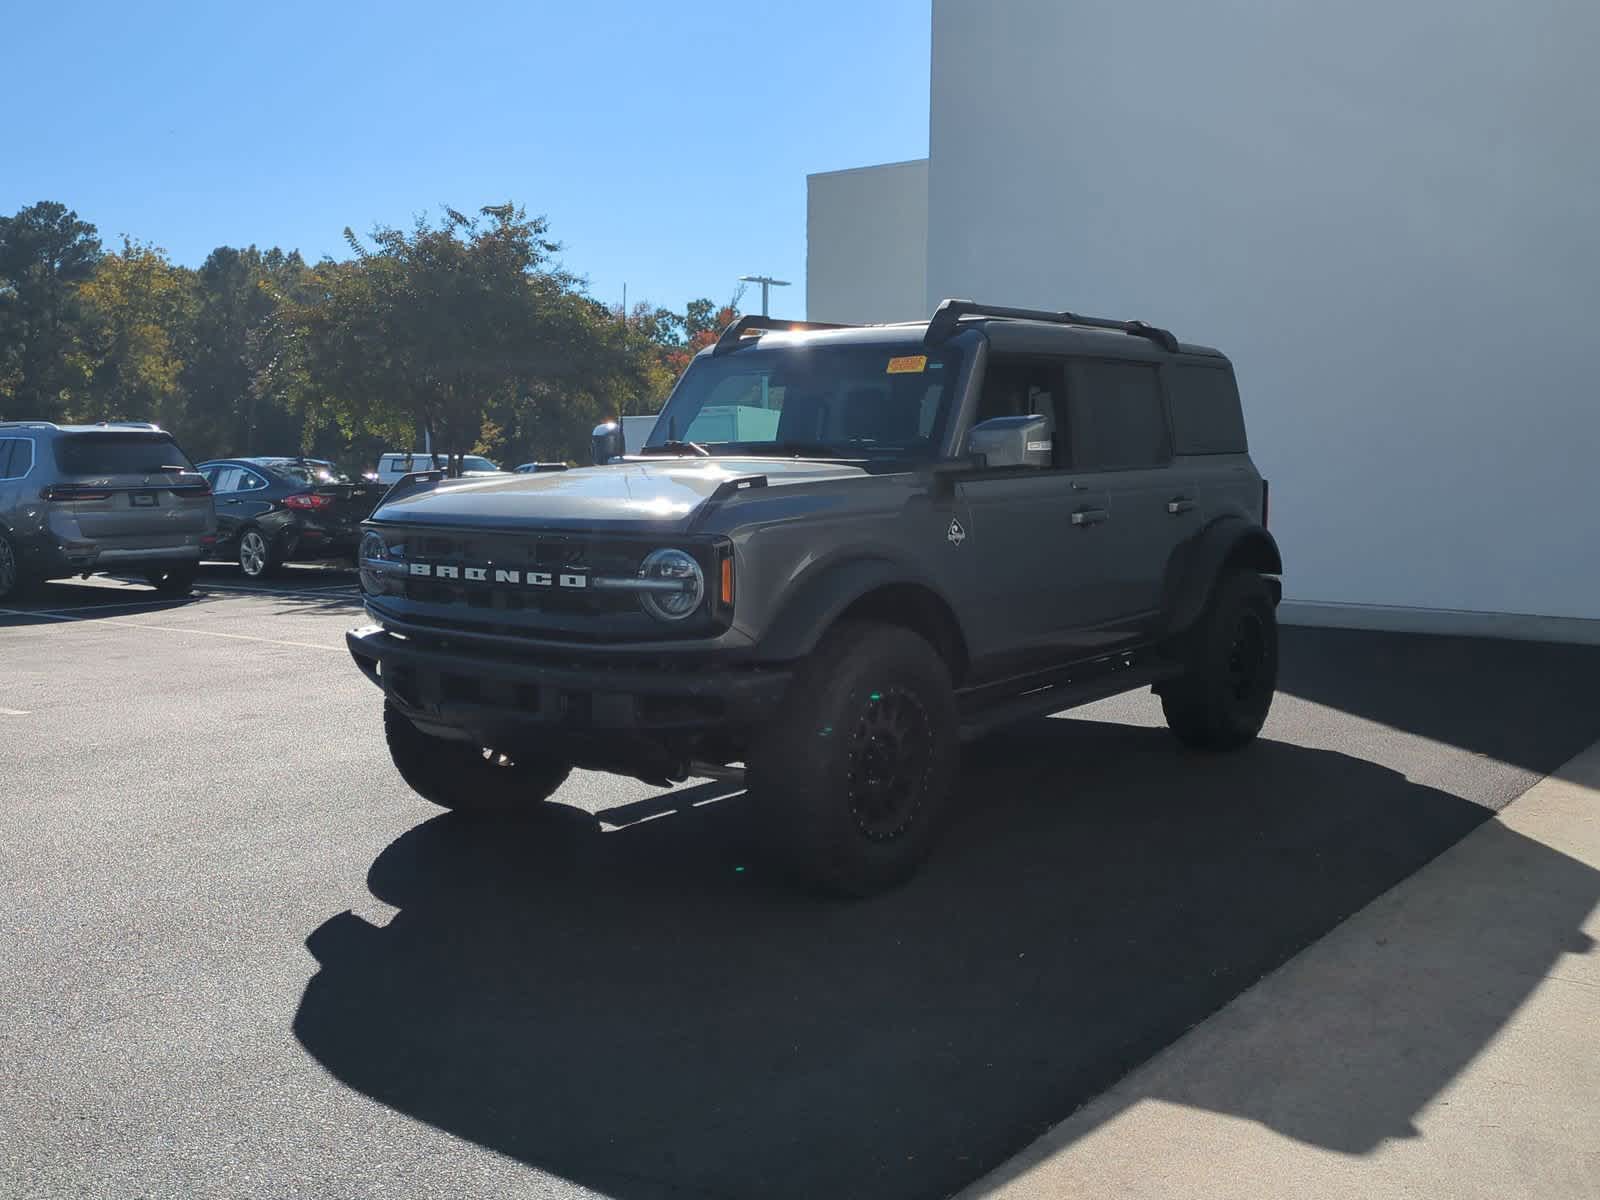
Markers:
(811, 401)
(1117, 417)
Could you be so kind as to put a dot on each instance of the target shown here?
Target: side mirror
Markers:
(606, 442)
(1012, 441)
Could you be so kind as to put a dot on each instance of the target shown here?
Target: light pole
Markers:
(766, 281)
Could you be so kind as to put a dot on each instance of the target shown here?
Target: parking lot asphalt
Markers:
(240, 958)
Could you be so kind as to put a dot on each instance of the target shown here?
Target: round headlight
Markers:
(373, 546)
(677, 568)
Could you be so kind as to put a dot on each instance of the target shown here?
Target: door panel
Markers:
(1038, 571)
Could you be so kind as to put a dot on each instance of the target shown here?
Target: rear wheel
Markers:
(854, 774)
(1231, 667)
(12, 580)
(258, 557)
(174, 581)
(468, 778)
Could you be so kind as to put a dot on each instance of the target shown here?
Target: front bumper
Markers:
(596, 707)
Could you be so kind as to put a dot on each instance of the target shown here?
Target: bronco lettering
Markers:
(540, 579)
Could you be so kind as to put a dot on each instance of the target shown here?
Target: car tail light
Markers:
(308, 502)
(727, 582)
(73, 491)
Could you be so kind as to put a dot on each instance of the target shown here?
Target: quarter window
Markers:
(1206, 418)
(249, 481)
(1117, 416)
(16, 457)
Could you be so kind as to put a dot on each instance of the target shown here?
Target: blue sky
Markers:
(667, 143)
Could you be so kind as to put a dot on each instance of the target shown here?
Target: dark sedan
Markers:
(276, 510)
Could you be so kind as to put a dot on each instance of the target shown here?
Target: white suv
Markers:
(392, 468)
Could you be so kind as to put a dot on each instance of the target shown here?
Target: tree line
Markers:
(465, 328)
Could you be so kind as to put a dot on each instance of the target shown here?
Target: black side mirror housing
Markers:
(606, 442)
(1012, 441)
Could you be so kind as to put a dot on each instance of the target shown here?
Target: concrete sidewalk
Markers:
(1442, 1042)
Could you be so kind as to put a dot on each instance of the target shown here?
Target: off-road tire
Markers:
(852, 776)
(468, 778)
(1230, 662)
(172, 581)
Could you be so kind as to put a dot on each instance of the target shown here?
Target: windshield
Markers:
(309, 472)
(859, 402)
(120, 454)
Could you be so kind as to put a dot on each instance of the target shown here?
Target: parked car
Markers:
(534, 468)
(76, 499)
(916, 533)
(394, 467)
(276, 510)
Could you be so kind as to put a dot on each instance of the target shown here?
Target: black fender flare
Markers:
(1194, 566)
(829, 590)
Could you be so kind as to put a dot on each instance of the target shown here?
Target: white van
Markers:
(392, 468)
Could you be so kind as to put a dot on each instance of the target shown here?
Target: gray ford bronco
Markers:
(842, 552)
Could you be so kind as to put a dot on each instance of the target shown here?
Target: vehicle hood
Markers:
(655, 494)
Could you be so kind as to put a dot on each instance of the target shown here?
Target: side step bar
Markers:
(1067, 690)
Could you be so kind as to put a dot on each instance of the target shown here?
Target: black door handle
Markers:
(1180, 504)
(1090, 516)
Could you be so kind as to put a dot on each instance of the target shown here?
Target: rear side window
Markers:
(1116, 414)
(119, 454)
(1206, 418)
(16, 457)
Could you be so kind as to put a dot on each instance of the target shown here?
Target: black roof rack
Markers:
(731, 335)
(949, 313)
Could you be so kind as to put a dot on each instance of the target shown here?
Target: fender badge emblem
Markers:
(955, 533)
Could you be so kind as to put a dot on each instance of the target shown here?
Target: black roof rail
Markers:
(731, 335)
(949, 313)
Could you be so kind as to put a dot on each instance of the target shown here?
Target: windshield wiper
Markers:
(676, 447)
(804, 449)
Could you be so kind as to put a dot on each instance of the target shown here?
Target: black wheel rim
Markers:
(891, 749)
(1247, 657)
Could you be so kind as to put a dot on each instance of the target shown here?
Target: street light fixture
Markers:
(766, 281)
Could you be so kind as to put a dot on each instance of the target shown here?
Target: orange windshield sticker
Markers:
(908, 364)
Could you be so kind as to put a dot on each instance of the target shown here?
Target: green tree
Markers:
(46, 253)
(138, 309)
(242, 390)
(463, 331)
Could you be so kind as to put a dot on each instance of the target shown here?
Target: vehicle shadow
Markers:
(1474, 693)
(649, 1012)
(65, 601)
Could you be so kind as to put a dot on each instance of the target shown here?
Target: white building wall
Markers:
(1387, 214)
(867, 243)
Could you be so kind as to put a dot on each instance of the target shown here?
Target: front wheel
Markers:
(1230, 667)
(468, 778)
(854, 774)
(172, 581)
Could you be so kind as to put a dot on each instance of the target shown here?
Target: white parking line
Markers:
(13, 712)
(77, 608)
(215, 633)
